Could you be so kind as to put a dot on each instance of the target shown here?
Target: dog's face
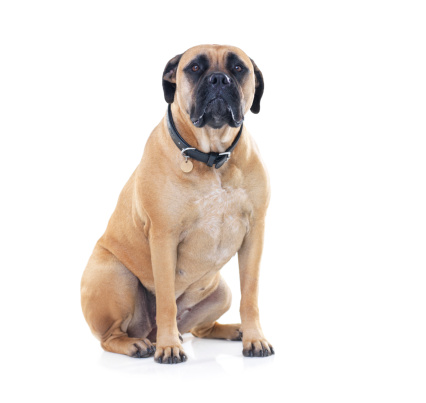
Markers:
(215, 85)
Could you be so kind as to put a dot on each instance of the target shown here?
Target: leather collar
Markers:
(211, 158)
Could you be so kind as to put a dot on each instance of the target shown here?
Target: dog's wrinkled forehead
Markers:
(214, 57)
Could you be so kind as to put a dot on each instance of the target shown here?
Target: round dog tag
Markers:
(186, 166)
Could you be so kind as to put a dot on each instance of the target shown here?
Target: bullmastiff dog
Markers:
(198, 197)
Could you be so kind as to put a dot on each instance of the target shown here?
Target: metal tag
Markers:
(186, 166)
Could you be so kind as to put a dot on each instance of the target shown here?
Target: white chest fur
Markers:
(220, 222)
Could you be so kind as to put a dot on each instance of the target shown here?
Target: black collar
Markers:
(211, 158)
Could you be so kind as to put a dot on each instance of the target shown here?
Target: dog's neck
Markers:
(205, 138)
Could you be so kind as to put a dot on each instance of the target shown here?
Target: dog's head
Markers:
(215, 85)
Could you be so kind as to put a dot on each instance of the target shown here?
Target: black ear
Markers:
(169, 79)
(260, 86)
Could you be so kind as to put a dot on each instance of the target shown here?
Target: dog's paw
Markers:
(257, 348)
(236, 334)
(228, 332)
(143, 348)
(170, 354)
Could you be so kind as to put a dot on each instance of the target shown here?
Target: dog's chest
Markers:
(219, 222)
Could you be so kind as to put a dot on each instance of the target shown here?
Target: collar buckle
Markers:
(222, 158)
(228, 155)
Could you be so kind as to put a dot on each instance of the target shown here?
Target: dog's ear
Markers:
(169, 79)
(259, 87)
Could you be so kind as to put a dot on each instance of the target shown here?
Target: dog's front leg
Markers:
(163, 258)
(249, 256)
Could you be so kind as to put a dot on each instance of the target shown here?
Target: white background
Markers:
(342, 130)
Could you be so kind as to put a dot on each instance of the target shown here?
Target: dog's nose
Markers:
(219, 80)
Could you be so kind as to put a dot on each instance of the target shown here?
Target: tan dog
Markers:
(155, 271)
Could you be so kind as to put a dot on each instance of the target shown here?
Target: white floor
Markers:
(216, 371)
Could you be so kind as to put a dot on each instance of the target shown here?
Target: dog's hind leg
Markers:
(116, 306)
(200, 319)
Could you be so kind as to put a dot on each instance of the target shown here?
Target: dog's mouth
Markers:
(217, 112)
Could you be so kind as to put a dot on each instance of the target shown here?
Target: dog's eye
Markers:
(195, 67)
(238, 68)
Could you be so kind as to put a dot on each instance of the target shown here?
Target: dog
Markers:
(198, 197)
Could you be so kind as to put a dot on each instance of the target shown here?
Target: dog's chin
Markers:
(216, 114)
